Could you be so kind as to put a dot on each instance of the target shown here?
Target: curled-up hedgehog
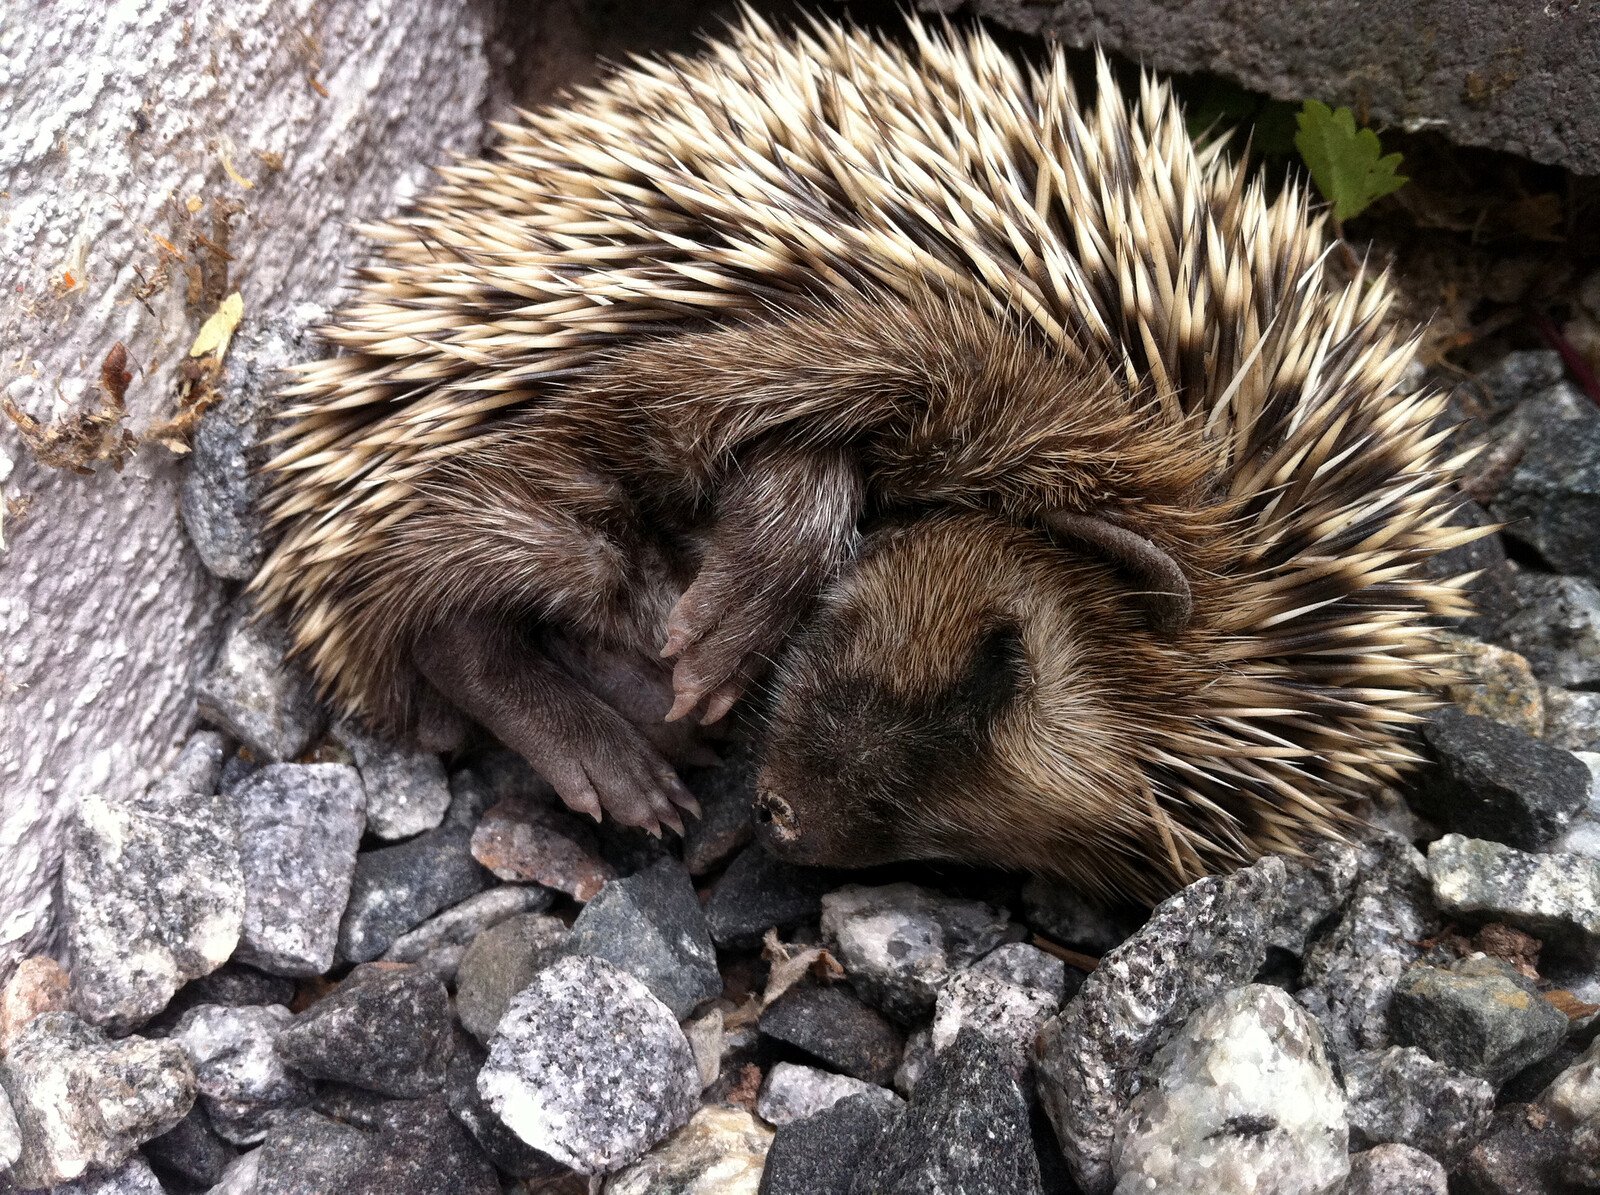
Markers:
(1076, 512)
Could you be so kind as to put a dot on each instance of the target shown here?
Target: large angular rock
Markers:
(758, 893)
(299, 827)
(1196, 946)
(83, 1102)
(415, 1147)
(499, 963)
(1478, 1016)
(821, 1154)
(257, 694)
(406, 789)
(386, 1028)
(1553, 897)
(832, 1024)
(1401, 1096)
(1496, 782)
(652, 926)
(720, 1150)
(243, 1083)
(965, 1133)
(899, 943)
(536, 841)
(794, 1092)
(1243, 1100)
(589, 1067)
(152, 890)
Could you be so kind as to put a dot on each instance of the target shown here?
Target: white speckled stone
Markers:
(589, 1067)
(721, 1151)
(243, 1083)
(793, 1092)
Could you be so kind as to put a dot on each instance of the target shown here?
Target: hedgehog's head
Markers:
(966, 690)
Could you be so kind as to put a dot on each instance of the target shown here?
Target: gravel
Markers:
(821, 1154)
(793, 1092)
(499, 963)
(1402, 1096)
(190, 1151)
(590, 1067)
(1555, 624)
(1007, 1016)
(1478, 1016)
(299, 827)
(832, 1025)
(1395, 1170)
(406, 789)
(257, 695)
(152, 891)
(244, 1086)
(133, 1177)
(533, 841)
(1556, 897)
(758, 893)
(441, 942)
(720, 1151)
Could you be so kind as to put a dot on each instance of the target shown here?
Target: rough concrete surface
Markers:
(123, 122)
(1518, 75)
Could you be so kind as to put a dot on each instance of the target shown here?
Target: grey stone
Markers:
(1505, 75)
(243, 1084)
(966, 1131)
(758, 893)
(83, 1102)
(899, 943)
(1582, 1167)
(821, 1154)
(1574, 1095)
(793, 1092)
(299, 827)
(1065, 915)
(191, 1150)
(1315, 887)
(1572, 720)
(1395, 1170)
(1494, 781)
(914, 1062)
(1008, 1016)
(1556, 626)
(589, 1067)
(406, 788)
(720, 1150)
(1201, 942)
(309, 1154)
(397, 888)
(258, 695)
(499, 963)
(1551, 500)
(440, 943)
(727, 798)
(539, 841)
(1026, 966)
(1553, 897)
(233, 985)
(385, 1028)
(1478, 1016)
(10, 1135)
(133, 1177)
(1351, 967)
(652, 926)
(1583, 835)
(1242, 1100)
(1524, 1153)
(221, 488)
(239, 1178)
(830, 1023)
(1401, 1096)
(503, 1147)
(1522, 375)
(152, 893)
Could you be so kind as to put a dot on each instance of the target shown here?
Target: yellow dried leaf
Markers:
(217, 331)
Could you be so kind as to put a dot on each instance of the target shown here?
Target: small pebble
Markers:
(652, 926)
(1524, 1153)
(1007, 1016)
(240, 1176)
(821, 1154)
(721, 1151)
(243, 1083)
(1551, 500)
(499, 963)
(10, 1135)
(385, 1028)
(83, 1102)
(406, 789)
(1574, 1095)
(1026, 966)
(830, 1023)
(257, 695)
(444, 937)
(534, 841)
(1496, 782)
(1479, 1016)
(1395, 1170)
(191, 1150)
(1499, 684)
(793, 1092)
(966, 1131)
(899, 943)
(1556, 626)
(503, 1147)
(758, 893)
(1556, 898)
(152, 891)
(1572, 720)
(1242, 1100)
(299, 827)
(1402, 1096)
(589, 1067)
(1197, 945)
(1315, 887)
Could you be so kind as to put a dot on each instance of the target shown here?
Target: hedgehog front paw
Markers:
(612, 770)
(717, 634)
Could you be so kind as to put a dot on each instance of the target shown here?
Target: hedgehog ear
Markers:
(1168, 601)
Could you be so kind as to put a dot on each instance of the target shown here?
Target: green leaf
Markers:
(1347, 164)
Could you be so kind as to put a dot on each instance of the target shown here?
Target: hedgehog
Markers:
(1026, 457)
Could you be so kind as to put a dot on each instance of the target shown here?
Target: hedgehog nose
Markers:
(777, 814)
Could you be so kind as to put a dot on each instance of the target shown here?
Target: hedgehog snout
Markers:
(776, 816)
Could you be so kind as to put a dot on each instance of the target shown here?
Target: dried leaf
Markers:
(217, 331)
(792, 964)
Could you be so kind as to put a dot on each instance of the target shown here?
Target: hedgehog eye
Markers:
(996, 673)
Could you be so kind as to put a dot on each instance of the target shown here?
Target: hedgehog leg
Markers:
(594, 759)
(785, 519)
